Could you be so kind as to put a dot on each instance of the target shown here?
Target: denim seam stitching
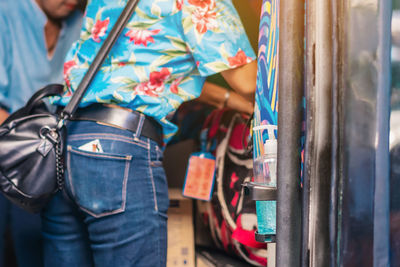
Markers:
(152, 181)
(133, 142)
(123, 205)
(159, 245)
(127, 140)
(157, 163)
(119, 210)
(128, 157)
(108, 137)
(69, 173)
(138, 131)
(99, 134)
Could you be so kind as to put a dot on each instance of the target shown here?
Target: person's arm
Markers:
(243, 80)
(256, 6)
(221, 97)
(224, 50)
(3, 115)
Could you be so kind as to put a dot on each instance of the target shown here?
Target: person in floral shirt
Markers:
(113, 209)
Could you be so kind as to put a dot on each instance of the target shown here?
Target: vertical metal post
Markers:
(382, 181)
(362, 233)
(318, 147)
(338, 82)
(291, 66)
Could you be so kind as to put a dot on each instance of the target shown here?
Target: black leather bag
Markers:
(30, 153)
(32, 138)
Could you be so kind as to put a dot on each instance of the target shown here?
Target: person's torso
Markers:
(160, 59)
(30, 67)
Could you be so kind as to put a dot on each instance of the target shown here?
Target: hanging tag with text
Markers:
(200, 175)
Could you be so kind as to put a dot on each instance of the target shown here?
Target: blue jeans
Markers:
(25, 234)
(112, 211)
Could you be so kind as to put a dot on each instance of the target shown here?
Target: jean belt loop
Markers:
(139, 128)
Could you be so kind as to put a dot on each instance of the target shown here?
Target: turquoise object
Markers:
(266, 222)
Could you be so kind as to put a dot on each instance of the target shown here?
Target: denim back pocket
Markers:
(98, 181)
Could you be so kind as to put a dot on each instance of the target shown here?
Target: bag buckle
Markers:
(49, 133)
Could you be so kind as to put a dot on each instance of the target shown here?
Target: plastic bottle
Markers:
(265, 168)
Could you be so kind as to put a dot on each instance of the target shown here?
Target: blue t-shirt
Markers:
(161, 58)
(24, 64)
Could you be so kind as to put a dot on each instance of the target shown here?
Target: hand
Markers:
(3, 115)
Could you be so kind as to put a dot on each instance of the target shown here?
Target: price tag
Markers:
(200, 175)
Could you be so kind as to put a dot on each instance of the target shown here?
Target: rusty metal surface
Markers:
(318, 151)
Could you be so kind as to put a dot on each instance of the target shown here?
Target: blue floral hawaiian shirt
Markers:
(161, 58)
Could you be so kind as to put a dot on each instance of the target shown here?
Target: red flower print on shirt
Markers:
(156, 83)
(157, 78)
(239, 60)
(179, 4)
(141, 37)
(175, 84)
(68, 66)
(99, 29)
(203, 4)
(204, 20)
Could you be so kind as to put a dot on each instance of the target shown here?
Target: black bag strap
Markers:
(77, 96)
(48, 90)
